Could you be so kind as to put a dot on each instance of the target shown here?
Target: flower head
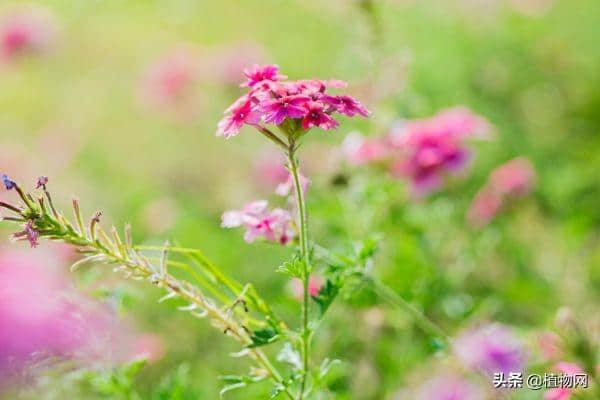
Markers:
(273, 100)
(315, 283)
(563, 393)
(41, 182)
(273, 225)
(492, 348)
(8, 183)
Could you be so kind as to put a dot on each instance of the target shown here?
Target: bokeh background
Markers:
(117, 102)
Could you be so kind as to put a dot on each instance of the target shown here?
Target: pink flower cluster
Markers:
(274, 225)
(492, 348)
(272, 100)
(25, 30)
(421, 151)
(563, 393)
(510, 180)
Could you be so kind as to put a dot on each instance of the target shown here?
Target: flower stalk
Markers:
(304, 252)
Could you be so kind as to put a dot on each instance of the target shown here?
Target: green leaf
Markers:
(293, 268)
(326, 295)
(263, 337)
(326, 367)
(237, 382)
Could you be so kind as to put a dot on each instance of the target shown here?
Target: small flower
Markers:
(315, 116)
(277, 110)
(241, 114)
(287, 187)
(492, 348)
(29, 233)
(42, 182)
(257, 74)
(349, 106)
(8, 183)
(274, 225)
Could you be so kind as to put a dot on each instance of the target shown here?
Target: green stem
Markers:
(303, 226)
(420, 319)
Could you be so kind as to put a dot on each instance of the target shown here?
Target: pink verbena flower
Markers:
(240, 114)
(277, 110)
(257, 74)
(448, 387)
(359, 150)
(275, 225)
(316, 116)
(304, 102)
(25, 30)
(511, 180)
(286, 188)
(492, 348)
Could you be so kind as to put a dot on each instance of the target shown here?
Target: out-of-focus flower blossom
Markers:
(304, 102)
(25, 30)
(360, 150)
(515, 177)
(274, 225)
(41, 182)
(448, 387)
(270, 170)
(563, 393)
(512, 179)
(41, 315)
(148, 346)
(492, 348)
(169, 81)
(286, 188)
(550, 345)
(315, 283)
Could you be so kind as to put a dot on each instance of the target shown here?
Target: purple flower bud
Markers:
(8, 183)
(41, 182)
(29, 233)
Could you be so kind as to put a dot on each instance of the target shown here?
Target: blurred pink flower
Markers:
(315, 284)
(550, 345)
(484, 207)
(170, 79)
(275, 225)
(25, 30)
(286, 188)
(360, 150)
(448, 387)
(492, 348)
(40, 314)
(563, 393)
(513, 179)
(434, 147)
(148, 346)
(270, 169)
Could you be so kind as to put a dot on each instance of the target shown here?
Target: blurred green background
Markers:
(532, 68)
